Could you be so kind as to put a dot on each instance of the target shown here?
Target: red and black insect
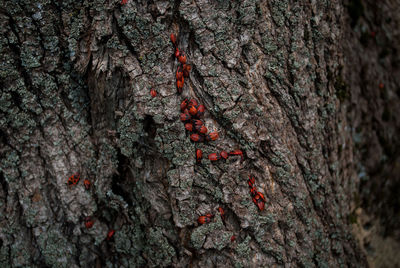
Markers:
(200, 110)
(182, 57)
(184, 104)
(212, 136)
(197, 122)
(74, 179)
(237, 152)
(177, 52)
(196, 137)
(233, 238)
(214, 157)
(189, 127)
(87, 184)
(251, 181)
(179, 85)
(185, 117)
(110, 234)
(257, 197)
(153, 93)
(199, 155)
(123, 2)
(201, 129)
(179, 73)
(224, 155)
(205, 219)
(193, 102)
(88, 223)
(192, 110)
(186, 70)
(222, 213)
(253, 191)
(172, 37)
(259, 200)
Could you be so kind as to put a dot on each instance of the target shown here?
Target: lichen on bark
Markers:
(76, 98)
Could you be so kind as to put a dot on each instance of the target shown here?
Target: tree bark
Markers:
(75, 98)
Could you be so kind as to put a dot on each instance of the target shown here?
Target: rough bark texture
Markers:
(370, 91)
(278, 78)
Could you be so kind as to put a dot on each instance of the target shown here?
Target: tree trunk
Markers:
(277, 83)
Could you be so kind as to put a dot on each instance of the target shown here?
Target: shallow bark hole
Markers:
(118, 180)
(67, 227)
(367, 226)
(150, 126)
(123, 162)
(118, 190)
(3, 183)
(16, 98)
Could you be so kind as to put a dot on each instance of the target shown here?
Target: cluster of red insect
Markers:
(190, 116)
(192, 111)
(89, 222)
(183, 69)
(258, 198)
(74, 179)
(224, 155)
(208, 217)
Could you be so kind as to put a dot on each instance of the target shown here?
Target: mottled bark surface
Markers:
(279, 80)
(371, 91)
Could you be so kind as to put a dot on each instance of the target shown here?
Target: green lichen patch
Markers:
(243, 249)
(199, 234)
(267, 220)
(158, 251)
(5, 257)
(9, 166)
(55, 248)
(218, 239)
(130, 240)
